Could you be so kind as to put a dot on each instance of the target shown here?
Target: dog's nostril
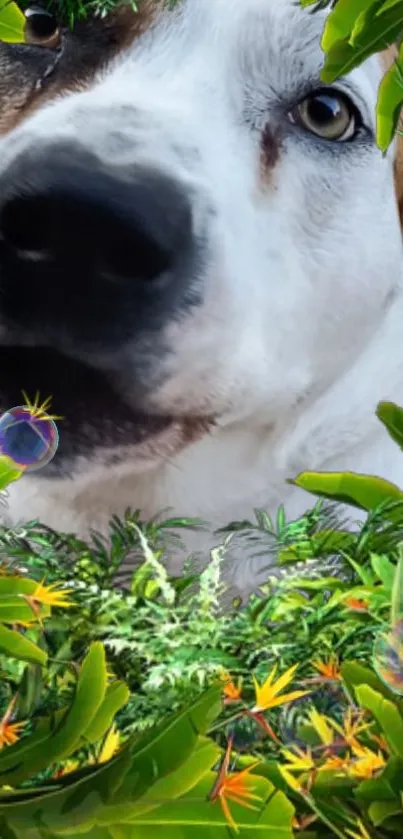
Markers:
(130, 254)
(111, 227)
(24, 224)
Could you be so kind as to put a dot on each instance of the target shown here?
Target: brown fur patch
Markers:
(270, 148)
(31, 75)
(387, 59)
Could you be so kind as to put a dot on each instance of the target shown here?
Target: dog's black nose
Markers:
(87, 245)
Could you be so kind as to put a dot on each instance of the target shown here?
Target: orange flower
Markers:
(329, 670)
(233, 787)
(231, 691)
(357, 604)
(9, 731)
(335, 764)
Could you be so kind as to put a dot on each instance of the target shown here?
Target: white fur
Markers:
(300, 331)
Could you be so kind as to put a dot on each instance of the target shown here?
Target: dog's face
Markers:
(194, 230)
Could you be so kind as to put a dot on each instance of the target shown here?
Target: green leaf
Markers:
(387, 412)
(81, 798)
(172, 786)
(355, 674)
(14, 585)
(14, 753)
(383, 787)
(386, 714)
(385, 570)
(12, 24)
(379, 32)
(341, 20)
(324, 543)
(362, 491)
(194, 817)
(8, 472)
(29, 691)
(163, 750)
(70, 803)
(13, 609)
(66, 737)
(117, 695)
(15, 645)
(379, 811)
(396, 612)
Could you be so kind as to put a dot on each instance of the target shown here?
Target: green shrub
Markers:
(152, 708)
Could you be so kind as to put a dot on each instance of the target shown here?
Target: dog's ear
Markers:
(387, 59)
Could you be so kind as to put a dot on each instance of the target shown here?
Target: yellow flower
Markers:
(321, 726)
(233, 787)
(298, 760)
(110, 746)
(269, 694)
(292, 782)
(362, 831)
(351, 727)
(330, 669)
(49, 596)
(68, 767)
(367, 762)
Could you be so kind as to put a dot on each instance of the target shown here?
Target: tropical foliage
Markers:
(152, 708)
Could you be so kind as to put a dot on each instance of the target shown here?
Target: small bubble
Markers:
(30, 439)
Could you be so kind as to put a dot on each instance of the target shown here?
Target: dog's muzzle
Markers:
(91, 253)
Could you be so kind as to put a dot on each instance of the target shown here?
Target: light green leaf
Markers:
(14, 609)
(377, 34)
(66, 737)
(385, 570)
(340, 22)
(386, 714)
(194, 817)
(117, 695)
(171, 786)
(379, 811)
(387, 412)
(12, 23)
(363, 491)
(13, 644)
(8, 471)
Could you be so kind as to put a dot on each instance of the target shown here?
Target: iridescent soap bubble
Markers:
(28, 437)
(388, 657)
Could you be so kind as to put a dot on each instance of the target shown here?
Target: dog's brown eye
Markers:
(41, 27)
(328, 114)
